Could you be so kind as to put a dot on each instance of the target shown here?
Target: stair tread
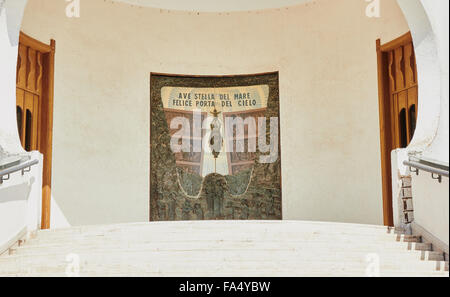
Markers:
(249, 247)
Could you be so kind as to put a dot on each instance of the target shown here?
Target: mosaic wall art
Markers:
(215, 148)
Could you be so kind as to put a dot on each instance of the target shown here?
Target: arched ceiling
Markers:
(215, 5)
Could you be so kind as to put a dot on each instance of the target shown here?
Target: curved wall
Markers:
(325, 53)
(9, 28)
(429, 23)
(20, 194)
(437, 12)
(430, 36)
(214, 6)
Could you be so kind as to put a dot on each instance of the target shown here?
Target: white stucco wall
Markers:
(20, 203)
(428, 73)
(433, 198)
(20, 195)
(431, 205)
(9, 28)
(324, 51)
(429, 25)
(429, 101)
(437, 11)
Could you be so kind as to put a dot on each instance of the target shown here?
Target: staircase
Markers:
(224, 248)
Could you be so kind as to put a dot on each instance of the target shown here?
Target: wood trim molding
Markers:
(388, 84)
(38, 59)
(35, 44)
(46, 144)
(402, 40)
(385, 138)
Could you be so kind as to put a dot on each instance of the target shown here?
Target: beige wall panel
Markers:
(325, 53)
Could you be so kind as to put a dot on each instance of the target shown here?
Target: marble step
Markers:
(198, 226)
(239, 267)
(87, 246)
(244, 236)
(98, 256)
(225, 235)
(225, 248)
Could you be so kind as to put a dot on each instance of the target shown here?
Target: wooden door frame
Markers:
(45, 127)
(386, 137)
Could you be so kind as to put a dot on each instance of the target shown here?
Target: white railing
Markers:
(23, 166)
(437, 170)
(20, 200)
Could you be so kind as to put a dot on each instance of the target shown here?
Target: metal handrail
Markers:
(436, 171)
(24, 167)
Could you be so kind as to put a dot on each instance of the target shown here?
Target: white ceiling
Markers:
(215, 5)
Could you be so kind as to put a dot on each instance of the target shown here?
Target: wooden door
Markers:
(398, 102)
(34, 100)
